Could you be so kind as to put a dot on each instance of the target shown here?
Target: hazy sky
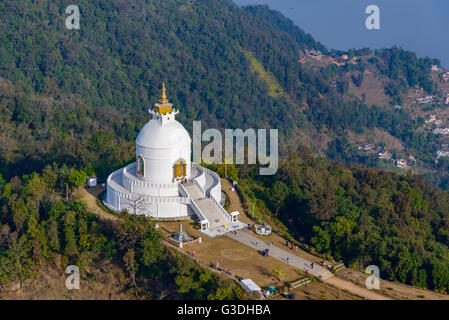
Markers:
(421, 26)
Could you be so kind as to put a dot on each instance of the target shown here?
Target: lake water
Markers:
(421, 26)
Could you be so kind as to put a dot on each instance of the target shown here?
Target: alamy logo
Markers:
(72, 21)
(373, 20)
(373, 281)
(73, 280)
(257, 147)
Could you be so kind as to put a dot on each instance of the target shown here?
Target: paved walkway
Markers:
(281, 254)
(303, 264)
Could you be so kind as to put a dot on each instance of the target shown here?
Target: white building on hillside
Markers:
(91, 182)
(163, 183)
(401, 163)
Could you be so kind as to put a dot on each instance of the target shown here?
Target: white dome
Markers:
(167, 136)
(162, 146)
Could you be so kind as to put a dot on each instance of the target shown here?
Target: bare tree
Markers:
(138, 205)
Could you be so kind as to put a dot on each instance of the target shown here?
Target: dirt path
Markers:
(90, 197)
(301, 263)
(394, 290)
(235, 202)
(301, 256)
(91, 201)
(353, 288)
(214, 250)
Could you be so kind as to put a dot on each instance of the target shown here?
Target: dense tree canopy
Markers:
(80, 96)
(39, 226)
(363, 216)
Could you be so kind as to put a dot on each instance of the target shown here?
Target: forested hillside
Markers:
(77, 96)
(361, 215)
(41, 225)
(112, 68)
(124, 51)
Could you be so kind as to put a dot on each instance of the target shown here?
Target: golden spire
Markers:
(164, 96)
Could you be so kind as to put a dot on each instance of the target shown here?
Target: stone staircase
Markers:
(193, 190)
(211, 212)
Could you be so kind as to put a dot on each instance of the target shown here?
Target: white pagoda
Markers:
(163, 183)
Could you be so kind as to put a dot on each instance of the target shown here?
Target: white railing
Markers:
(130, 179)
(215, 188)
(150, 199)
(201, 179)
(221, 209)
(201, 188)
(196, 210)
(183, 191)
